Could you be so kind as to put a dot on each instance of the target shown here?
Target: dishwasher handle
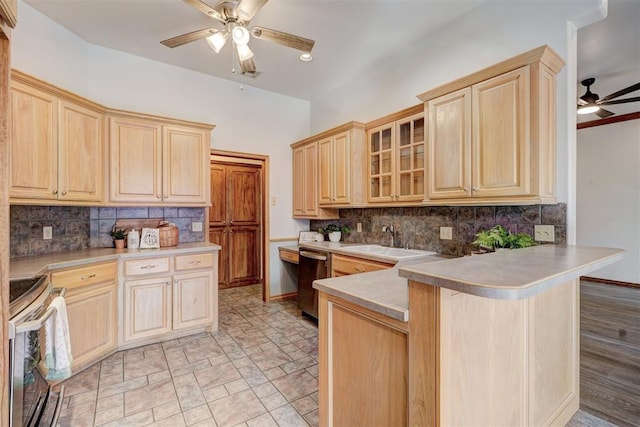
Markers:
(313, 255)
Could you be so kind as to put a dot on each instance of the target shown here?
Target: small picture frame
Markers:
(150, 238)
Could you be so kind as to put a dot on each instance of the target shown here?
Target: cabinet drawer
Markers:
(138, 267)
(194, 261)
(345, 265)
(85, 276)
(288, 256)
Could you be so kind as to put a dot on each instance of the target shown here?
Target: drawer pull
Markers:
(196, 262)
(360, 269)
(147, 267)
(91, 276)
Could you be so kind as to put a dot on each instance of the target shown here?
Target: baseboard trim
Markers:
(290, 295)
(610, 282)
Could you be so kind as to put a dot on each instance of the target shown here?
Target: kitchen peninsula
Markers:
(490, 340)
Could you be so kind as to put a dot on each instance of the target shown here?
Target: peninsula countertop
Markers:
(28, 267)
(513, 274)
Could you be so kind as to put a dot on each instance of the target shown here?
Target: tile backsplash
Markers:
(419, 227)
(83, 227)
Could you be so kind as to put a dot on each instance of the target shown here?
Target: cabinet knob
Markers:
(474, 189)
(466, 189)
(64, 193)
(168, 283)
(166, 196)
(158, 196)
(360, 269)
(55, 191)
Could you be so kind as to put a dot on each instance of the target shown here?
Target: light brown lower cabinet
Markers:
(92, 301)
(343, 265)
(459, 360)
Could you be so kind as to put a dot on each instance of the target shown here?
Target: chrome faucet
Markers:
(389, 229)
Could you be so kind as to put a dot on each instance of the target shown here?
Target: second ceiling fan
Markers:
(236, 15)
(592, 103)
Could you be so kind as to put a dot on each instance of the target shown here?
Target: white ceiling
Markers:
(350, 35)
(609, 50)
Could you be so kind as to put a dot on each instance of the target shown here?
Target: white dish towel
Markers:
(58, 356)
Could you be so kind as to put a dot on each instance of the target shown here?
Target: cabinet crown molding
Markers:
(330, 132)
(543, 54)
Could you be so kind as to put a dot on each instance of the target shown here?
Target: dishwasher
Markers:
(312, 265)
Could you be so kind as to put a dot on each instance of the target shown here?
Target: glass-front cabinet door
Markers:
(410, 159)
(380, 141)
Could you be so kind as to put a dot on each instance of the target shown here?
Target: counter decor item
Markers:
(499, 237)
(118, 235)
(335, 232)
(150, 238)
(169, 234)
(133, 239)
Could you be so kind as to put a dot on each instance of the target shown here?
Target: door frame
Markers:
(251, 159)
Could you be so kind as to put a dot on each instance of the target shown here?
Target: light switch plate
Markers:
(196, 226)
(446, 233)
(544, 233)
(47, 233)
(359, 227)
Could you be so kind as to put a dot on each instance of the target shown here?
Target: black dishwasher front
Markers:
(312, 265)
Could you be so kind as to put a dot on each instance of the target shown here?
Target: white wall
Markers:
(249, 120)
(608, 196)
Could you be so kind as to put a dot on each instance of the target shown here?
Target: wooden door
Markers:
(97, 306)
(341, 168)
(218, 190)
(325, 171)
(218, 236)
(185, 159)
(147, 308)
(244, 199)
(136, 160)
(244, 263)
(500, 135)
(449, 145)
(194, 298)
(380, 167)
(80, 136)
(33, 146)
(409, 158)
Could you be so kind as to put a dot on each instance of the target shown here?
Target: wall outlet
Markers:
(446, 233)
(47, 233)
(274, 200)
(359, 227)
(196, 226)
(544, 233)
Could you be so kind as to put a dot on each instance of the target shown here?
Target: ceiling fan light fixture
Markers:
(218, 40)
(240, 35)
(306, 57)
(588, 109)
(244, 53)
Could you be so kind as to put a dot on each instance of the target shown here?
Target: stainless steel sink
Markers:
(388, 252)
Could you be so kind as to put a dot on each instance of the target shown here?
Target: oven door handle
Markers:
(313, 255)
(36, 324)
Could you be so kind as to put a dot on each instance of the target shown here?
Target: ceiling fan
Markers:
(591, 103)
(236, 15)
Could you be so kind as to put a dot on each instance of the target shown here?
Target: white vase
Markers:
(335, 236)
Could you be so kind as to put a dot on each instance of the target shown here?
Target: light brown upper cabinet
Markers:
(154, 161)
(491, 135)
(56, 145)
(9, 12)
(305, 183)
(396, 157)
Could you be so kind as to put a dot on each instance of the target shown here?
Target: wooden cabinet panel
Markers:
(95, 306)
(185, 159)
(244, 260)
(33, 146)
(136, 160)
(194, 261)
(341, 161)
(244, 195)
(342, 265)
(9, 12)
(300, 186)
(81, 153)
(147, 308)
(194, 297)
(85, 276)
(218, 209)
(501, 135)
(219, 236)
(325, 170)
(449, 145)
(136, 267)
(306, 187)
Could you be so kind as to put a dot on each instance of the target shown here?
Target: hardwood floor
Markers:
(610, 352)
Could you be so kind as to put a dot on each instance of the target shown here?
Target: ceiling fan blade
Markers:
(603, 114)
(282, 38)
(206, 9)
(189, 37)
(247, 9)
(624, 91)
(248, 67)
(620, 101)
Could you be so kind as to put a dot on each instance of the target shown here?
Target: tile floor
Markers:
(259, 369)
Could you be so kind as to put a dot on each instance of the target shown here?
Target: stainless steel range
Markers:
(32, 400)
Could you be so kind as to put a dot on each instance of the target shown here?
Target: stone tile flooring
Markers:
(259, 369)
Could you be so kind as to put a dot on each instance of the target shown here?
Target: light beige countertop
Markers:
(382, 291)
(513, 274)
(28, 267)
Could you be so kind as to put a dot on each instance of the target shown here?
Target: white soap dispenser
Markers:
(133, 239)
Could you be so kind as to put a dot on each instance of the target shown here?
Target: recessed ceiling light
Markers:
(306, 57)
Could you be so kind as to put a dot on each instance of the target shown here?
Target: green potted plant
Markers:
(118, 236)
(499, 237)
(335, 231)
